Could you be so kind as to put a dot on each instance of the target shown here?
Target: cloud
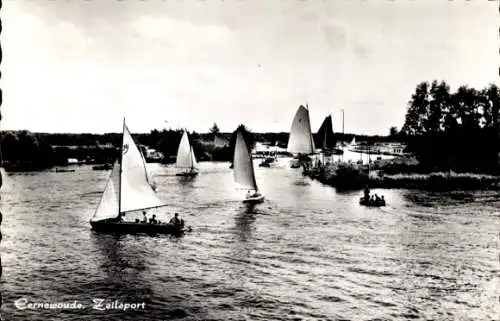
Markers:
(72, 65)
(181, 33)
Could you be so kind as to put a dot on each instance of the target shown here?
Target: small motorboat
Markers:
(367, 202)
(267, 162)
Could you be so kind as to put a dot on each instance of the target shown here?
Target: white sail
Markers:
(243, 171)
(185, 155)
(151, 182)
(193, 158)
(108, 205)
(136, 191)
(301, 139)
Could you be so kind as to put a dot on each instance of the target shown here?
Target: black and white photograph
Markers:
(254, 160)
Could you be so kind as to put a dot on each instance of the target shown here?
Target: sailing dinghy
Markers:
(328, 142)
(185, 158)
(243, 170)
(301, 142)
(128, 190)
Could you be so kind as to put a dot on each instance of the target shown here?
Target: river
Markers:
(306, 253)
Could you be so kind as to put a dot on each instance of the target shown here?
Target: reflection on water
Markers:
(306, 253)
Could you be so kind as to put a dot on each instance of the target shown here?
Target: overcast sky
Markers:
(81, 66)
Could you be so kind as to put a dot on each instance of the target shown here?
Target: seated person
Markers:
(144, 217)
(153, 219)
(253, 194)
(175, 220)
(367, 193)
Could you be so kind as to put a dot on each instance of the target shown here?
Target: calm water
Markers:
(307, 253)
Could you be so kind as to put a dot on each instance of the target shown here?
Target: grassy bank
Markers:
(353, 177)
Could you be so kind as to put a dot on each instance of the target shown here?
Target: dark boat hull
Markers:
(187, 174)
(135, 228)
(102, 167)
(254, 200)
(364, 202)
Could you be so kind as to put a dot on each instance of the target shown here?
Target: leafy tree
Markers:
(214, 129)
(393, 132)
(457, 130)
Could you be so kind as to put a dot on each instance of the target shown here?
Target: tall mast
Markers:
(310, 131)
(120, 172)
(191, 156)
(190, 149)
(343, 134)
(251, 162)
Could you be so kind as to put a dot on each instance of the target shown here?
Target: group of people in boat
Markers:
(175, 221)
(372, 200)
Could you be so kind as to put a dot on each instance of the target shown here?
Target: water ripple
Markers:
(306, 253)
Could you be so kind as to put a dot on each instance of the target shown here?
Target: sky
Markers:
(78, 66)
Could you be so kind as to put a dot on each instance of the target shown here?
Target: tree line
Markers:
(457, 131)
(32, 151)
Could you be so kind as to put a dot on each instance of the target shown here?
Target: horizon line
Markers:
(171, 129)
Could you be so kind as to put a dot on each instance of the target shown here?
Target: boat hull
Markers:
(187, 174)
(254, 200)
(364, 202)
(135, 228)
(105, 167)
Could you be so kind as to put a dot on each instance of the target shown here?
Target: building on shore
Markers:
(379, 148)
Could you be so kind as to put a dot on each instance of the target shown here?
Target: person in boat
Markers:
(382, 200)
(153, 220)
(367, 193)
(175, 220)
(251, 194)
(377, 199)
(144, 217)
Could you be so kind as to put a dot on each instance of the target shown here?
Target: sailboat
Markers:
(185, 158)
(243, 170)
(328, 139)
(301, 140)
(128, 190)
